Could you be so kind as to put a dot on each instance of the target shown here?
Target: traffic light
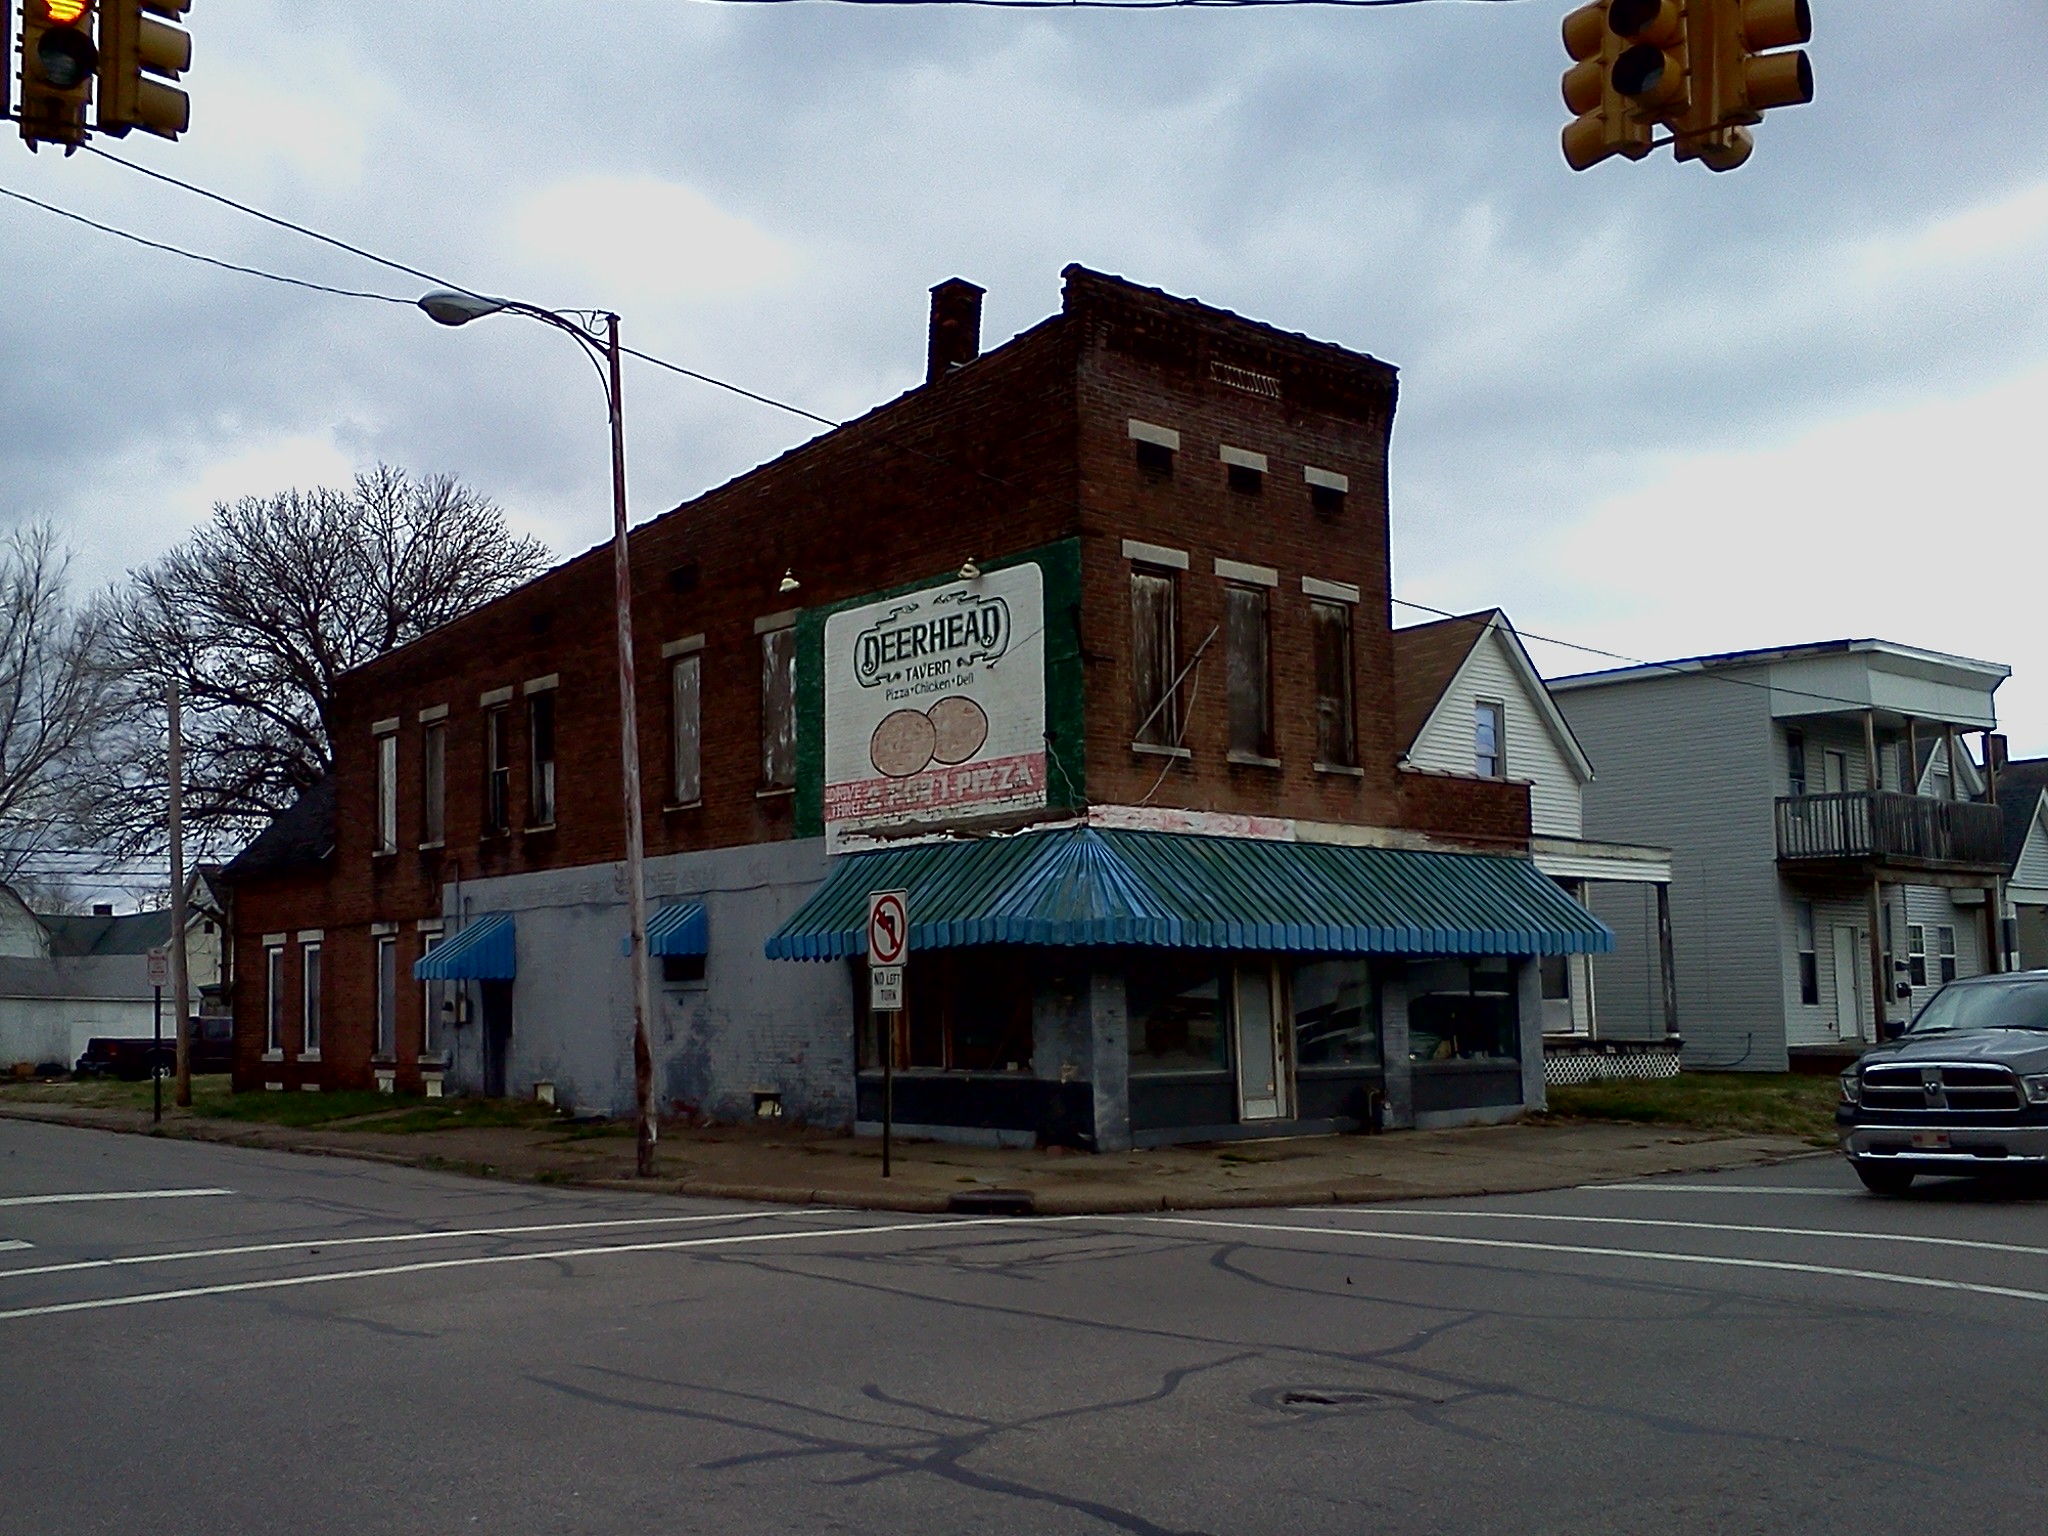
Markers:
(58, 58)
(1633, 71)
(138, 55)
(1742, 78)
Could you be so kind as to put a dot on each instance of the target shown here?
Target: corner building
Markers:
(1084, 643)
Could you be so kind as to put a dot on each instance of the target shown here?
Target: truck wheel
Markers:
(1884, 1178)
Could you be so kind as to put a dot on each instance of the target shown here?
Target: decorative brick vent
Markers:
(1246, 379)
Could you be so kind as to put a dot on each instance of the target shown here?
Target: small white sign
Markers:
(159, 967)
(885, 988)
(888, 927)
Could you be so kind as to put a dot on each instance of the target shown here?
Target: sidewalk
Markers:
(817, 1168)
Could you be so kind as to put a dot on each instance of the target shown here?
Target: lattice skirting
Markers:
(1563, 1067)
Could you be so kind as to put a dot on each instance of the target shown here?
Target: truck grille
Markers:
(1954, 1087)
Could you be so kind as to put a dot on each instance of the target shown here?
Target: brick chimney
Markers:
(956, 328)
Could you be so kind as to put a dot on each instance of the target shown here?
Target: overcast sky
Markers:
(1647, 408)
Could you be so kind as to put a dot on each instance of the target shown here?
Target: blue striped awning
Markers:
(679, 928)
(1089, 886)
(484, 951)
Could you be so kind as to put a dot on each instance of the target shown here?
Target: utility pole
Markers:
(179, 988)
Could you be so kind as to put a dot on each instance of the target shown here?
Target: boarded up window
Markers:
(1250, 681)
(778, 709)
(1155, 658)
(540, 735)
(686, 751)
(434, 783)
(1336, 743)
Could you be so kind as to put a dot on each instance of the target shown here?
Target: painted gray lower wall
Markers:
(753, 1024)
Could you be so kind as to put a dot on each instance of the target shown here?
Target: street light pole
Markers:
(451, 308)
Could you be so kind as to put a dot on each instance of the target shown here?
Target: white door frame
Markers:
(1262, 1101)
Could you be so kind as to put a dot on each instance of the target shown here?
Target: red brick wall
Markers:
(1484, 812)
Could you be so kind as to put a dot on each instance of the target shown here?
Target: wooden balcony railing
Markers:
(1885, 826)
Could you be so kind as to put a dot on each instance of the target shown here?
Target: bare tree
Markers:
(259, 612)
(56, 704)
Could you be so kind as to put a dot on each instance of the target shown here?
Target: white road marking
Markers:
(1701, 1226)
(13, 1245)
(110, 1194)
(395, 1237)
(675, 1245)
(1722, 1189)
(1646, 1255)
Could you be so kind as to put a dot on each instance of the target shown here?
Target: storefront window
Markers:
(969, 1011)
(1336, 1015)
(1462, 1010)
(1174, 1004)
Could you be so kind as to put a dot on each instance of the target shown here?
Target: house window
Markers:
(497, 771)
(1916, 954)
(273, 971)
(1244, 470)
(1155, 446)
(676, 969)
(778, 709)
(686, 763)
(1330, 628)
(387, 792)
(1326, 489)
(1795, 762)
(1945, 937)
(387, 997)
(1247, 647)
(309, 1018)
(1155, 657)
(540, 740)
(432, 994)
(434, 784)
(1488, 748)
(1809, 957)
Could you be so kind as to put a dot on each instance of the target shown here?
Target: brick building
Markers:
(1085, 642)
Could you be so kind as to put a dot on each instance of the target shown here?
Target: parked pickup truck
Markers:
(1963, 1090)
(126, 1059)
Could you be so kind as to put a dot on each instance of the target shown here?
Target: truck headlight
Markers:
(1852, 1086)
(2037, 1089)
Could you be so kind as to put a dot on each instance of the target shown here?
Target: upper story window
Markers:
(685, 721)
(1326, 489)
(1155, 657)
(497, 769)
(1248, 670)
(434, 781)
(540, 754)
(274, 1001)
(1329, 622)
(387, 995)
(1489, 745)
(778, 706)
(1154, 445)
(387, 785)
(1795, 762)
(309, 1025)
(1243, 469)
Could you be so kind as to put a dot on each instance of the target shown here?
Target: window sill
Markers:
(434, 847)
(273, 1056)
(1148, 749)
(1465, 1064)
(432, 1059)
(1341, 770)
(1251, 760)
(377, 854)
(497, 835)
(776, 792)
(683, 805)
(312, 1056)
(545, 826)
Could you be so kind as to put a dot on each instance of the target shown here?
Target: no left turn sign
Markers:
(888, 927)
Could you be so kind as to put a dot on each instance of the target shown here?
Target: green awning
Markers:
(1093, 886)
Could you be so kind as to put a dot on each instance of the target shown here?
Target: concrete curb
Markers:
(1045, 1201)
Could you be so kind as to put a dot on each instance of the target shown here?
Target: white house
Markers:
(1469, 701)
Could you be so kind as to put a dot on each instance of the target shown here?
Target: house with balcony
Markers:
(1835, 852)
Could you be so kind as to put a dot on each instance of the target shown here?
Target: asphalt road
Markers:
(216, 1340)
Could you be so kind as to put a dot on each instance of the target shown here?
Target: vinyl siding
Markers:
(2031, 868)
(1533, 751)
(1688, 763)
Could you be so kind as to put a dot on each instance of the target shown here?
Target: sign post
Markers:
(888, 938)
(159, 977)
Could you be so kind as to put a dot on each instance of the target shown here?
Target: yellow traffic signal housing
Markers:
(1604, 125)
(58, 59)
(138, 56)
(1741, 77)
(1654, 68)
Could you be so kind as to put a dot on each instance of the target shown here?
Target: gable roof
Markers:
(297, 837)
(2021, 783)
(1428, 659)
(135, 934)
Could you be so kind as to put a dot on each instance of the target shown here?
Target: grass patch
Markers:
(209, 1091)
(1749, 1103)
(214, 1098)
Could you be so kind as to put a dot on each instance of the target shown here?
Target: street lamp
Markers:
(599, 335)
